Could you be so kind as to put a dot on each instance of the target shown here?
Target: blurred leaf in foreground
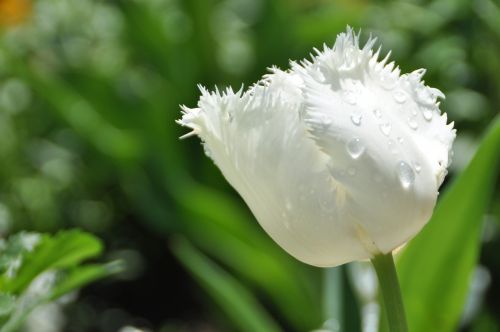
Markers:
(436, 267)
(38, 268)
(234, 299)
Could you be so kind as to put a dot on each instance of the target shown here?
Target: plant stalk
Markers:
(332, 298)
(391, 293)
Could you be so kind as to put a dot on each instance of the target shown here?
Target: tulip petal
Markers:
(384, 147)
(339, 158)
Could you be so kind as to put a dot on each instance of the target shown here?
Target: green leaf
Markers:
(84, 275)
(233, 298)
(13, 251)
(247, 251)
(436, 266)
(341, 310)
(7, 304)
(72, 247)
(64, 250)
(36, 269)
(84, 117)
(333, 286)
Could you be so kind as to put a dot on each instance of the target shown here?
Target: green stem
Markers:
(389, 286)
(332, 298)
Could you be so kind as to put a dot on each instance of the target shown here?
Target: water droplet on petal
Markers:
(302, 190)
(350, 97)
(330, 168)
(392, 146)
(325, 123)
(412, 123)
(327, 202)
(286, 223)
(387, 81)
(351, 171)
(355, 148)
(356, 118)
(400, 140)
(405, 174)
(417, 166)
(400, 96)
(385, 128)
(427, 113)
(424, 96)
(377, 113)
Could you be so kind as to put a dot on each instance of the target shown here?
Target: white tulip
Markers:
(339, 158)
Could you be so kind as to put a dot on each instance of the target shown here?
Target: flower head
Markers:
(339, 158)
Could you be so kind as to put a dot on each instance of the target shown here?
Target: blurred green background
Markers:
(90, 90)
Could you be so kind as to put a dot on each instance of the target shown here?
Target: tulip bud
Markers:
(339, 158)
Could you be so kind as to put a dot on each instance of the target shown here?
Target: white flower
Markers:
(339, 158)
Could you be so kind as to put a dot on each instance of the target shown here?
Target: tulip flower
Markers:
(340, 158)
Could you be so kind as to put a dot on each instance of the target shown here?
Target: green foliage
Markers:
(241, 306)
(38, 268)
(436, 267)
(90, 90)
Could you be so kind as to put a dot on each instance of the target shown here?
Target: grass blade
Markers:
(436, 266)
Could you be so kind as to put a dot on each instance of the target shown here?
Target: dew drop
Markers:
(356, 119)
(325, 123)
(326, 202)
(399, 96)
(424, 96)
(286, 223)
(427, 113)
(417, 166)
(400, 140)
(387, 81)
(355, 148)
(350, 97)
(331, 168)
(405, 175)
(392, 146)
(377, 113)
(326, 206)
(351, 171)
(385, 128)
(412, 123)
